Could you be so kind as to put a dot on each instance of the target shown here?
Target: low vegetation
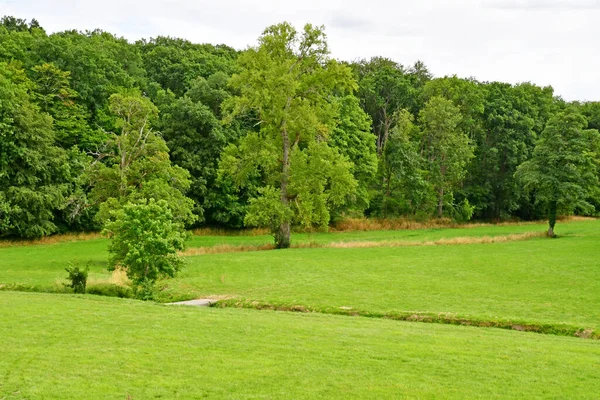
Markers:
(90, 347)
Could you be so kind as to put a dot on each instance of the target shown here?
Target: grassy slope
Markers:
(44, 264)
(536, 281)
(89, 347)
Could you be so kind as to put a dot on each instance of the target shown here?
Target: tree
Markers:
(53, 93)
(352, 137)
(195, 136)
(135, 164)
(99, 64)
(176, 63)
(35, 174)
(145, 242)
(385, 89)
(563, 168)
(445, 148)
(402, 186)
(290, 82)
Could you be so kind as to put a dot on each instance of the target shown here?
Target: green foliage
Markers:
(77, 278)
(53, 93)
(514, 117)
(196, 138)
(352, 137)
(176, 63)
(563, 169)
(110, 290)
(267, 210)
(136, 164)
(145, 242)
(320, 180)
(99, 64)
(34, 173)
(401, 187)
(445, 148)
(385, 89)
(289, 82)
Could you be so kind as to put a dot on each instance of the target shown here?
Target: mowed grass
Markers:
(542, 281)
(75, 347)
(44, 264)
(539, 281)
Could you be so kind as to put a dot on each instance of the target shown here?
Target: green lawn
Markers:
(536, 281)
(43, 265)
(539, 281)
(76, 347)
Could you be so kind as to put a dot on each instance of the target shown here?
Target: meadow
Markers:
(58, 345)
(74, 347)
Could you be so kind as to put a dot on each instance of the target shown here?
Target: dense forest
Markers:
(278, 135)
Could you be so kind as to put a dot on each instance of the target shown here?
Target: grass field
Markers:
(538, 281)
(75, 347)
(65, 346)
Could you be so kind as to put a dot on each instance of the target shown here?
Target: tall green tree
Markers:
(352, 137)
(35, 174)
(385, 88)
(402, 188)
(134, 165)
(290, 82)
(53, 93)
(563, 168)
(176, 63)
(446, 149)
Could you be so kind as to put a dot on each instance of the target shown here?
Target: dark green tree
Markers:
(35, 174)
(563, 168)
(445, 148)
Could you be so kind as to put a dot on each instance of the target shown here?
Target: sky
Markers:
(547, 42)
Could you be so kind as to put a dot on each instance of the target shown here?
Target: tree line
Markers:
(278, 135)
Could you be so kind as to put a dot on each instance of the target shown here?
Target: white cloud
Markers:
(548, 42)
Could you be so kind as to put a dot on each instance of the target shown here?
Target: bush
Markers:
(145, 242)
(77, 278)
(110, 290)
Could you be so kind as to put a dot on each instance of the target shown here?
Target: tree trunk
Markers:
(552, 218)
(282, 237)
(440, 203)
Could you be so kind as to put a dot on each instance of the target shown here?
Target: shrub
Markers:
(110, 290)
(77, 278)
(145, 242)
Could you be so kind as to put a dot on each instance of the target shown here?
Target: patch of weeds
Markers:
(77, 278)
(110, 290)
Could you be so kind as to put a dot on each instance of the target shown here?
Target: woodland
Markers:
(279, 135)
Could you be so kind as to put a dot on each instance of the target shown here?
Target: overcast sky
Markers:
(548, 42)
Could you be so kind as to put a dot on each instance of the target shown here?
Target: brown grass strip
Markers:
(61, 238)
(227, 248)
(392, 224)
(440, 242)
(206, 231)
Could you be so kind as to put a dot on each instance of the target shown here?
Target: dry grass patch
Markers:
(393, 224)
(64, 237)
(117, 278)
(206, 231)
(228, 248)
(439, 242)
